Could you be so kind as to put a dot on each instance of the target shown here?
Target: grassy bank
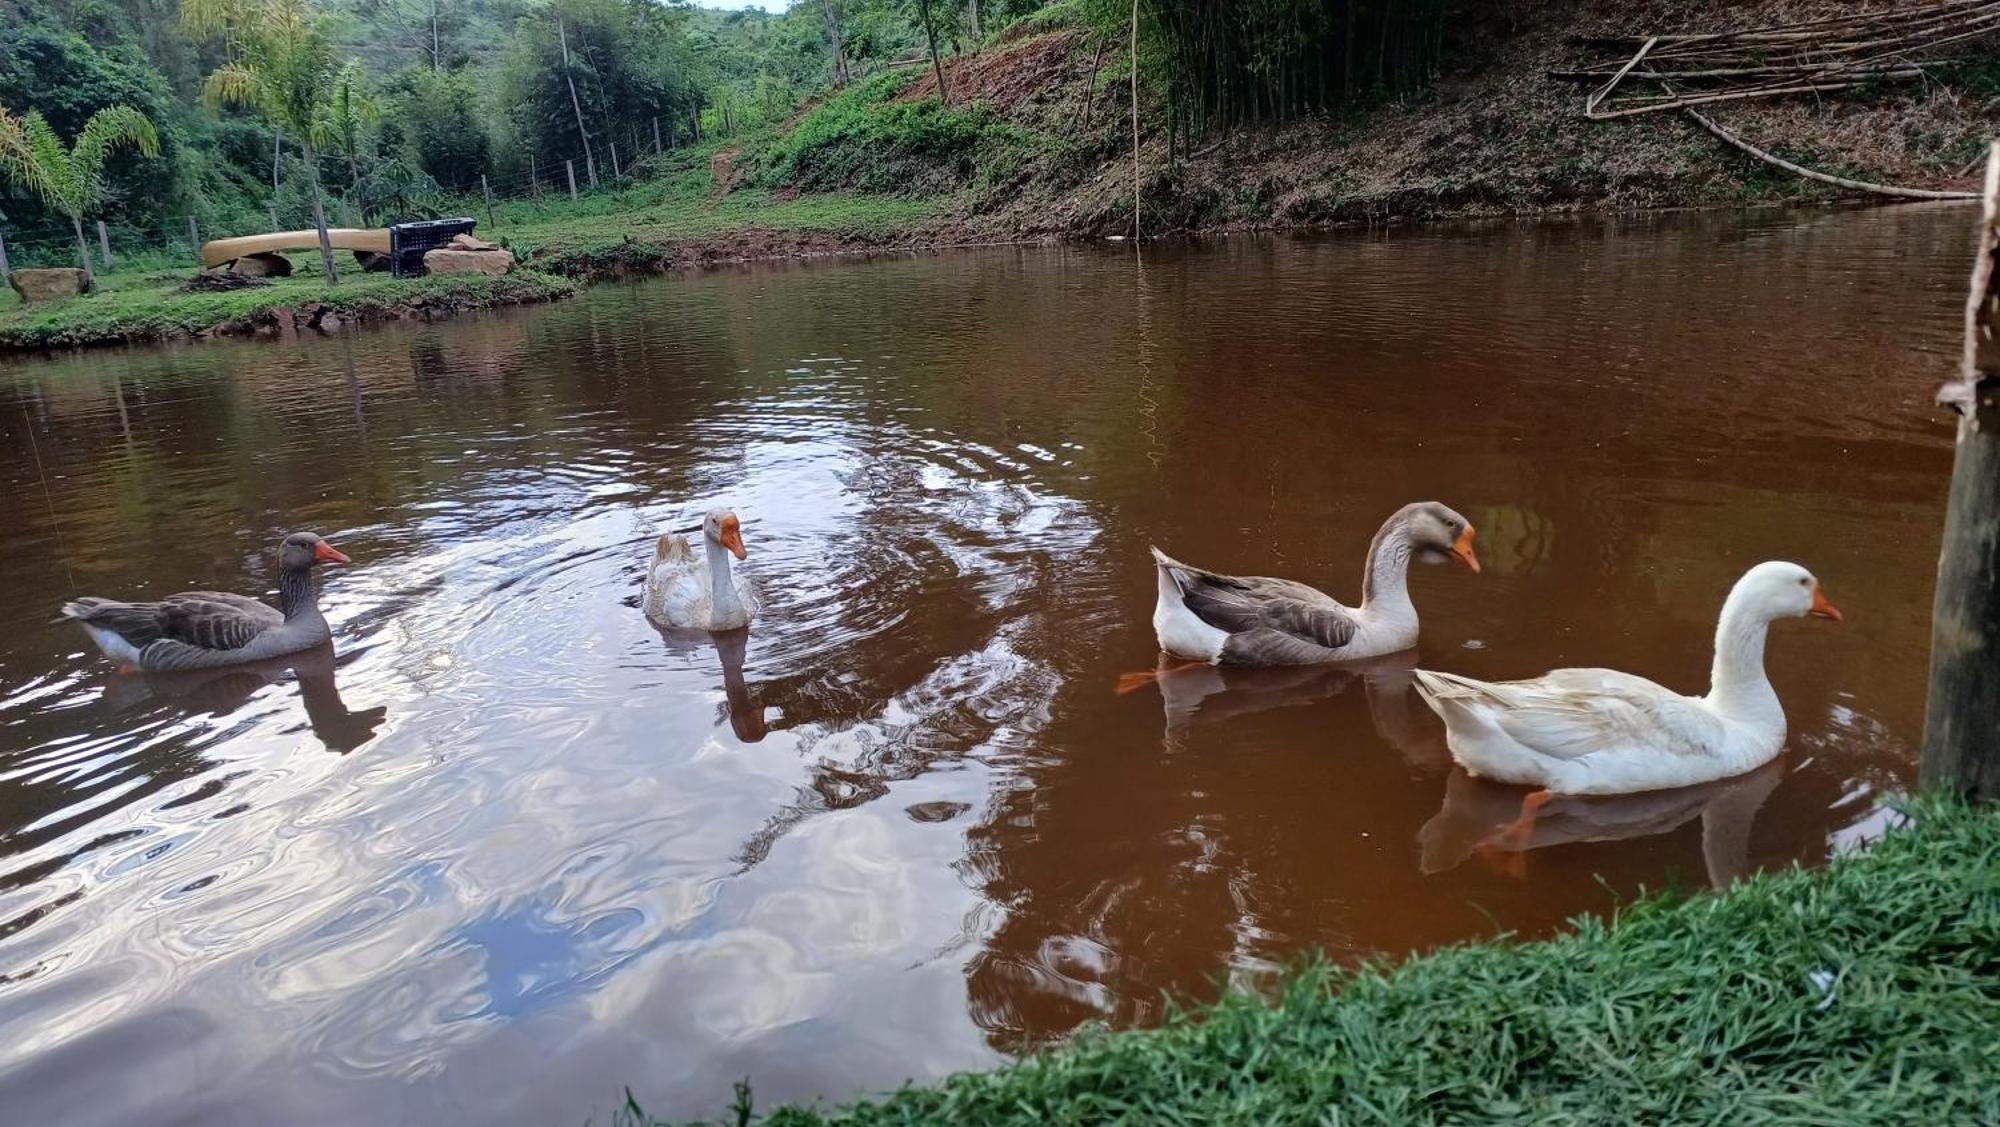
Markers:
(1868, 992)
(134, 307)
(693, 207)
(673, 213)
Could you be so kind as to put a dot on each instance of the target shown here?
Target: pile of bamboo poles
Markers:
(1655, 73)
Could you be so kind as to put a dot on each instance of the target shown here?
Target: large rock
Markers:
(263, 266)
(447, 261)
(467, 242)
(48, 285)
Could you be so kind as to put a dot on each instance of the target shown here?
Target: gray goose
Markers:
(1231, 620)
(210, 629)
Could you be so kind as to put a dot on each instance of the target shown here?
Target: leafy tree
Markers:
(928, 17)
(69, 75)
(350, 109)
(582, 70)
(282, 64)
(70, 179)
(438, 124)
(397, 191)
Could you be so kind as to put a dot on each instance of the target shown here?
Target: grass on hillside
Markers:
(1868, 992)
(675, 198)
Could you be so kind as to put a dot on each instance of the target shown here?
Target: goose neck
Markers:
(296, 594)
(1385, 583)
(722, 585)
(1738, 686)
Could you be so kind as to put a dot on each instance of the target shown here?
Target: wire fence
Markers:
(616, 160)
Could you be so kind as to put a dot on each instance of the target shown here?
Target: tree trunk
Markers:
(575, 103)
(1960, 753)
(930, 33)
(277, 152)
(1090, 84)
(83, 250)
(839, 46)
(978, 34)
(319, 219)
(1135, 120)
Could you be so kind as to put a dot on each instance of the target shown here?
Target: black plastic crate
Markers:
(409, 241)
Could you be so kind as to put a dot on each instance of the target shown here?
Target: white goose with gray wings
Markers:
(1234, 620)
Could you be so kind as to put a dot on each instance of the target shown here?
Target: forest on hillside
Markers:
(395, 106)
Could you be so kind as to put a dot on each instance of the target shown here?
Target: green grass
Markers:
(673, 202)
(133, 305)
(663, 217)
(1868, 992)
(860, 170)
(865, 138)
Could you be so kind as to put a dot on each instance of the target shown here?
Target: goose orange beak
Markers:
(329, 553)
(1821, 608)
(732, 538)
(1462, 550)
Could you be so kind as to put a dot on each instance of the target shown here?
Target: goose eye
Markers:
(1805, 582)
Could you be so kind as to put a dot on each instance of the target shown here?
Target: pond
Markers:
(506, 849)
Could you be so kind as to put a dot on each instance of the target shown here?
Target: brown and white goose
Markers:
(1233, 620)
(209, 629)
(689, 592)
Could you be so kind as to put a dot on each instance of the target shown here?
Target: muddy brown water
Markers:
(506, 849)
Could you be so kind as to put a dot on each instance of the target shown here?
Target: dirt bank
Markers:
(1496, 135)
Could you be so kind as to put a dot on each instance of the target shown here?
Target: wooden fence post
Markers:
(274, 217)
(615, 174)
(104, 243)
(656, 136)
(488, 193)
(569, 166)
(1961, 749)
(4, 269)
(194, 239)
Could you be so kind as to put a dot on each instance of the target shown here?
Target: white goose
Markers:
(1599, 731)
(699, 592)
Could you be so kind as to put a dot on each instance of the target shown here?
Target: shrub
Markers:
(865, 139)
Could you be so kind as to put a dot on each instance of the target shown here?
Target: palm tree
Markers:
(350, 109)
(70, 180)
(282, 65)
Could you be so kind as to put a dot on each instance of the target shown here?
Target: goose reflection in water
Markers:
(219, 692)
(1217, 693)
(746, 717)
(1485, 817)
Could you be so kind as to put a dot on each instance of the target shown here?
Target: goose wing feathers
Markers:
(1263, 613)
(213, 620)
(1573, 713)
